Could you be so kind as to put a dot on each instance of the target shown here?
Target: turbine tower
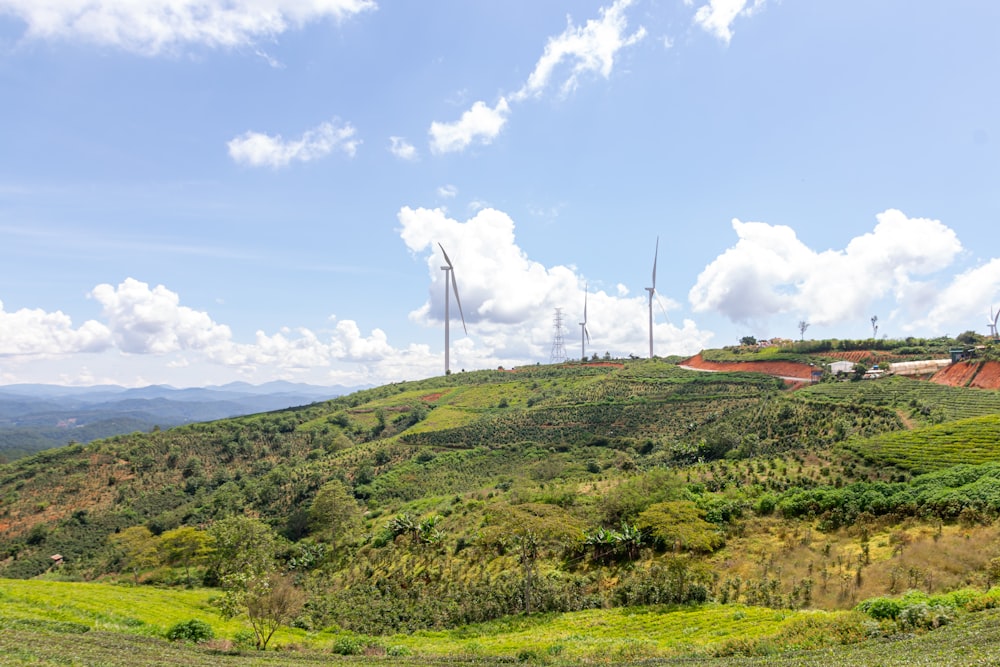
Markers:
(449, 272)
(584, 334)
(652, 291)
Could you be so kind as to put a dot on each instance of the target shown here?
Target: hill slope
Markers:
(465, 498)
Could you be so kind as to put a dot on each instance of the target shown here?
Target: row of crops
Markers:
(973, 441)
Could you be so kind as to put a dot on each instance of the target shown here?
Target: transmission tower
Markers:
(558, 355)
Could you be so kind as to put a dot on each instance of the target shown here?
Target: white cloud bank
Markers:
(771, 272)
(588, 49)
(254, 149)
(509, 300)
(150, 27)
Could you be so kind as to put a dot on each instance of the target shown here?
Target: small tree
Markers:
(803, 325)
(874, 326)
(185, 546)
(748, 341)
(269, 601)
(137, 548)
(334, 515)
(240, 544)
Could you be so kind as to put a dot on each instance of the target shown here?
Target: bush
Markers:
(348, 646)
(194, 631)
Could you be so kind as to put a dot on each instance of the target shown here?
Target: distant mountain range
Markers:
(40, 416)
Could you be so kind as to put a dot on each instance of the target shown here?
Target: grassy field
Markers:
(54, 623)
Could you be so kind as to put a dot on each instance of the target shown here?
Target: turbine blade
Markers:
(447, 261)
(586, 335)
(655, 255)
(585, 307)
(454, 287)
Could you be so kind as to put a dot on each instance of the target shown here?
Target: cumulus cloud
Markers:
(34, 332)
(481, 124)
(152, 321)
(770, 271)
(154, 26)
(971, 295)
(402, 149)
(717, 16)
(576, 52)
(509, 299)
(261, 150)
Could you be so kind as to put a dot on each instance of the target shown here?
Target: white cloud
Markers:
(770, 271)
(152, 321)
(509, 300)
(585, 50)
(260, 150)
(717, 16)
(151, 27)
(970, 296)
(447, 191)
(402, 149)
(34, 332)
(479, 124)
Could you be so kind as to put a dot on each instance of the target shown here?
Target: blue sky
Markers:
(199, 191)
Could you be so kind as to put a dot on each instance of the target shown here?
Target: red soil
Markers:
(786, 369)
(430, 398)
(981, 375)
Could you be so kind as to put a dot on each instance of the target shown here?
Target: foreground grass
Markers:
(85, 624)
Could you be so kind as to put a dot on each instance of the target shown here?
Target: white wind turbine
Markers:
(584, 334)
(449, 272)
(652, 291)
(993, 323)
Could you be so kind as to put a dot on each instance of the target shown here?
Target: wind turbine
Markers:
(652, 291)
(584, 334)
(449, 272)
(993, 323)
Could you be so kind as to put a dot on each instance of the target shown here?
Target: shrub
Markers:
(194, 631)
(348, 646)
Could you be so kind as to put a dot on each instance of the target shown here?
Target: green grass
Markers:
(52, 623)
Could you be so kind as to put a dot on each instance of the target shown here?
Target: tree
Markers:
(137, 549)
(269, 600)
(241, 544)
(803, 325)
(334, 514)
(874, 326)
(185, 546)
(748, 341)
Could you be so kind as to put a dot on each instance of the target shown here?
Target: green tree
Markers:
(137, 548)
(334, 515)
(241, 544)
(678, 525)
(185, 546)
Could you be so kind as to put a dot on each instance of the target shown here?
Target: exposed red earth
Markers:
(784, 369)
(978, 374)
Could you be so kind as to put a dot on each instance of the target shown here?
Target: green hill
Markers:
(432, 505)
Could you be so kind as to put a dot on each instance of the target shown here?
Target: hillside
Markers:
(37, 417)
(470, 497)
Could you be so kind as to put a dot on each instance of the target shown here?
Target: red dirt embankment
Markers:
(978, 374)
(785, 369)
